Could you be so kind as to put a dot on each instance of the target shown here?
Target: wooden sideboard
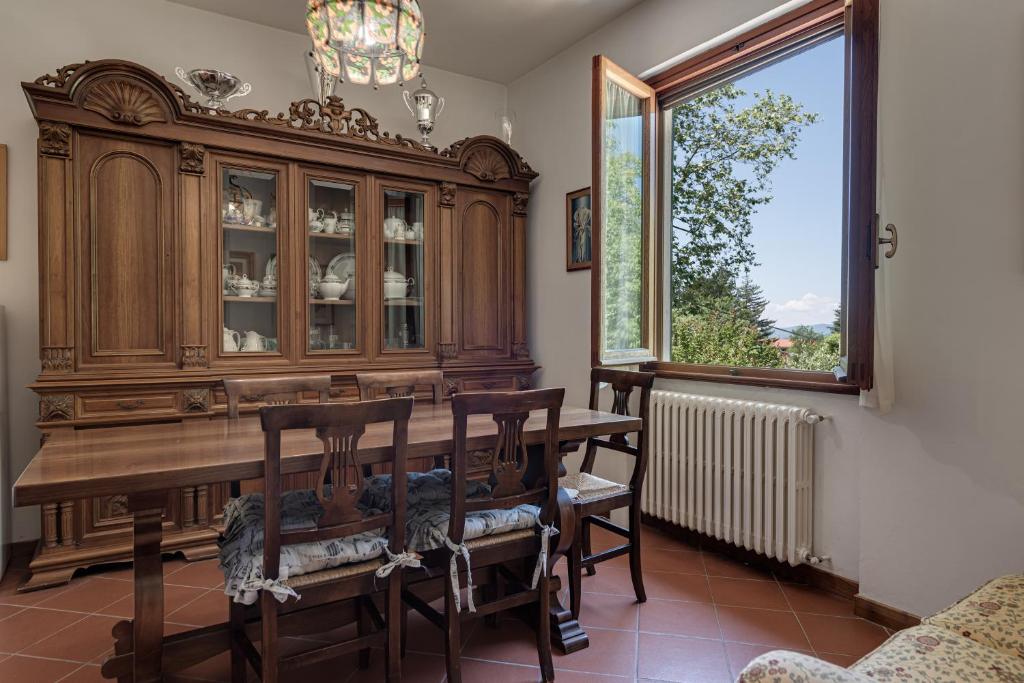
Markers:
(149, 206)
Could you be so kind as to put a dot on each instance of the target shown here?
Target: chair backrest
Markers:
(622, 382)
(401, 383)
(338, 427)
(510, 458)
(274, 390)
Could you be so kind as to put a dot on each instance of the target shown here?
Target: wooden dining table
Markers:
(144, 462)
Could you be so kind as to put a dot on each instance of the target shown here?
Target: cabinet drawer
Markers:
(487, 384)
(148, 403)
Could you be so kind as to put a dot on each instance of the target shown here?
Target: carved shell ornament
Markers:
(487, 165)
(124, 102)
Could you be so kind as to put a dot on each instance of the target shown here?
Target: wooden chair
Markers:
(371, 384)
(528, 550)
(597, 497)
(402, 383)
(339, 427)
(282, 390)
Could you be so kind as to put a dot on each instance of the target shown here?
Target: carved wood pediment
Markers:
(487, 165)
(124, 101)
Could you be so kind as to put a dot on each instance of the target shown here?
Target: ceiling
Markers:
(498, 40)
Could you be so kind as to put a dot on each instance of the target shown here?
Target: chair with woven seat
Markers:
(280, 390)
(327, 544)
(402, 383)
(595, 498)
(510, 527)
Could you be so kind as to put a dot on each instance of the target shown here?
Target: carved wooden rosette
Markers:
(523, 382)
(193, 158)
(510, 456)
(54, 407)
(193, 356)
(451, 386)
(340, 468)
(58, 359)
(54, 139)
(196, 400)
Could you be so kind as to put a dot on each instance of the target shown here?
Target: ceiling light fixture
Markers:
(365, 41)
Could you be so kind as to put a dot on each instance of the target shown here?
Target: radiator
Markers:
(740, 471)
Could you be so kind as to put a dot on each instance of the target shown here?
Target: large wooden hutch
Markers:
(152, 208)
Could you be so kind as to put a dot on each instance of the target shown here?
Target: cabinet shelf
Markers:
(249, 228)
(331, 236)
(251, 299)
(332, 302)
(412, 243)
(404, 301)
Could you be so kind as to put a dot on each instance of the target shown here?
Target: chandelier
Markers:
(365, 41)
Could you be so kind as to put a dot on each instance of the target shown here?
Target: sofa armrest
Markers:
(780, 666)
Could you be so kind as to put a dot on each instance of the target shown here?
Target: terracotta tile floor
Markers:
(705, 618)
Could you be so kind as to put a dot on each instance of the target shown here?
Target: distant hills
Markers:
(820, 328)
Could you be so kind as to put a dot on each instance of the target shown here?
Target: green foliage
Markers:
(721, 335)
(812, 350)
(623, 250)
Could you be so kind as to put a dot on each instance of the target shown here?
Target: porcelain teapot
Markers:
(254, 341)
(394, 228)
(232, 340)
(227, 276)
(246, 287)
(396, 285)
(316, 220)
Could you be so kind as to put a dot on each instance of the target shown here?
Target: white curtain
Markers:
(883, 394)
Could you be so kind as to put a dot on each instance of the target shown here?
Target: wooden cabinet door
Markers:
(482, 273)
(125, 243)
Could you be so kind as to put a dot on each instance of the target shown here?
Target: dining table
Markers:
(144, 462)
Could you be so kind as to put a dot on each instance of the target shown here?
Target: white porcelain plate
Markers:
(343, 266)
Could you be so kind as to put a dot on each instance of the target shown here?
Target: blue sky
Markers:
(797, 237)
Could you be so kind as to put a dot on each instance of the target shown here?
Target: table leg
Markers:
(148, 624)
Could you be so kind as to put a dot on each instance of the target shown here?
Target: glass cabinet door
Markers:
(249, 222)
(331, 235)
(404, 270)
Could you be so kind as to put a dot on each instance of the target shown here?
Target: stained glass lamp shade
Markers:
(366, 41)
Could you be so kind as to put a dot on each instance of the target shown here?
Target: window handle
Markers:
(892, 240)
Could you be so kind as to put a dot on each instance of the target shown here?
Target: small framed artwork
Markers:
(244, 263)
(577, 229)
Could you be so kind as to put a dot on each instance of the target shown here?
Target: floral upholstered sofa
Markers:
(979, 639)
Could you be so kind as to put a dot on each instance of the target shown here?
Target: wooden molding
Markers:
(890, 617)
(193, 356)
(519, 202)
(193, 158)
(55, 407)
(196, 400)
(58, 359)
(448, 194)
(124, 101)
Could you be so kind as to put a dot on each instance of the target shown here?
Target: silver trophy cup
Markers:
(425, 106)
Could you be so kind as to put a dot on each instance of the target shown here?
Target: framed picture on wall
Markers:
(577, 229)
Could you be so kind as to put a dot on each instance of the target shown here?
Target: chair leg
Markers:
(269, 644)
(635, 571)
(236, 627)
(588, 550)
(363, 629)
(576, 574)
(395, 611)
(547, 667)
(490, 593)
(452, 636)
(405, 628)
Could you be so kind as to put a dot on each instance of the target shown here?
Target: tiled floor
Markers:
(705, 618)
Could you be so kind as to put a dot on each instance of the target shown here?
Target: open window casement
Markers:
(623, 216)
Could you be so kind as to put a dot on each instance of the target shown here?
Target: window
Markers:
(763, 236)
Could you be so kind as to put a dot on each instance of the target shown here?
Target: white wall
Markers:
(925, 503)
(36, 38)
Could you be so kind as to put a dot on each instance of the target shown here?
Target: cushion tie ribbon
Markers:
(279, 590)
(404, 559)
(453, 572)
(546, 532)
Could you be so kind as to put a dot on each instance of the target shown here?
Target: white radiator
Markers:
(740, 471)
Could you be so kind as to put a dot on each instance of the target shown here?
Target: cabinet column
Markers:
(519, 343)
(191, 167)
(56, 249)
(447, 343)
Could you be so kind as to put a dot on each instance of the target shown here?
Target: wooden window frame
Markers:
(606, 70)
(859, 22)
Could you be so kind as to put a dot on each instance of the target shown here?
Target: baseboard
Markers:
(19, 554)
(804, 573)
(890, 617)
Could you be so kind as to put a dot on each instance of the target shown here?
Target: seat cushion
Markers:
(934, 655)
(424, 488)
(993, 615)
(427, 525)
(241, 544)
(588, 487)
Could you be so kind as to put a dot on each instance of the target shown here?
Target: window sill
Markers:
(801, 380)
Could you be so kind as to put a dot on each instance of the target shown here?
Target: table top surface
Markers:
(136, 458)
